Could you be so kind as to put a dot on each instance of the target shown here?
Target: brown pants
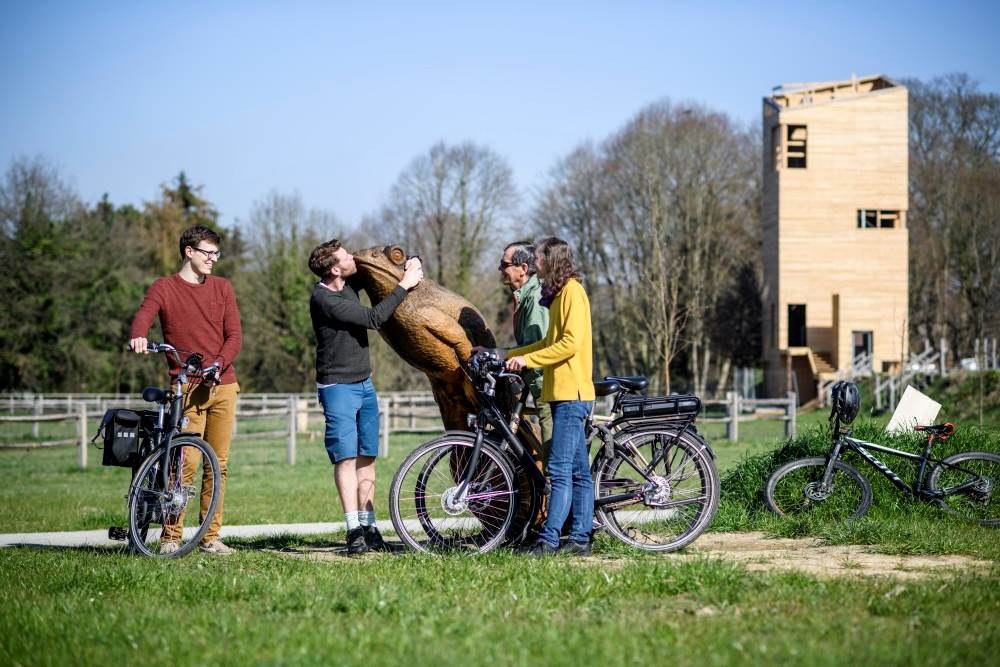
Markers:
(211, 412)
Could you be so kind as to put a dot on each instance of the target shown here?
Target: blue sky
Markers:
(333, 100)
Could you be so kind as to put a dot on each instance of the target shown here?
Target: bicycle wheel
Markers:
(796, 488)
(426, 511)
(658, 492)
(979, 501)
(161, 491)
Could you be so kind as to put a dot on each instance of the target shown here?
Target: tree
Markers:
(273, 291)
(662, 213)
(450, 206)
(954, 216)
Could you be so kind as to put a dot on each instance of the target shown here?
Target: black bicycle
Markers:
(168, 465)
(656, 484)
(964, 484)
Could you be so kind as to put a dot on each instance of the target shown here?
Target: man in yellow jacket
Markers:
(566, 357)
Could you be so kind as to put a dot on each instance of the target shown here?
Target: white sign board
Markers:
(914, 409)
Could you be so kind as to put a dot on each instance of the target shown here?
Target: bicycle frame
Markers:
(490, 413)
(917, 490)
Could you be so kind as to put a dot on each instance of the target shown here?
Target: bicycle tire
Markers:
(977, 504)
(427, 522)
(800, 493)
(149, 504)
(679, 507)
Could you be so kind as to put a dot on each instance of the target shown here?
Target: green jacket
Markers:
(531, 323)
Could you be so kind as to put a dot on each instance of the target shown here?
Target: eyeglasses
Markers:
(505, 265)
(209, 254)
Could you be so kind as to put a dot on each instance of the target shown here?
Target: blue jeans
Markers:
(569, 473)
(351, 412)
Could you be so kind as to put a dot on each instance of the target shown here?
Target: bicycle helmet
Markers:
(845, 401)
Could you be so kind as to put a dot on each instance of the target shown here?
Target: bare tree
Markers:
(662, 214)
(954, 217)
(449, 206)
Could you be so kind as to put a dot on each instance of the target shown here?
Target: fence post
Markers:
(292, 429)
(37, 409)
(302, 414)
(892, 393)
(790, 415)
(81, 454)
(383, 440)
(733, 410)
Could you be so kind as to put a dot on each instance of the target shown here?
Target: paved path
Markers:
(99, 538)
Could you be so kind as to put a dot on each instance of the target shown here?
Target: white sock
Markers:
(352, 520)
(367, 518)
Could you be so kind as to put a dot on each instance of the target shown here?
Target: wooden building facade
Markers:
(834, 230)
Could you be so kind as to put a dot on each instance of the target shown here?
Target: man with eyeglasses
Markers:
(531, 323)
(198, 313)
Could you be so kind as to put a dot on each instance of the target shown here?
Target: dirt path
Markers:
(759, 553)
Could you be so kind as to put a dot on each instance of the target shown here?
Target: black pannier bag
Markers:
(680, 406)
(125, 432)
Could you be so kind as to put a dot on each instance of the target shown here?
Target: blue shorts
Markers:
(351, 412)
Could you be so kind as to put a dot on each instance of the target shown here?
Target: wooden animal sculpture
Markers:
(433, 330)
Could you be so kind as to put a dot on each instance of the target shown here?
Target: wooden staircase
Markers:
(822, 363)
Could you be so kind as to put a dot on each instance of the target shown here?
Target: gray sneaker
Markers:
(215, 547)
(169, 547)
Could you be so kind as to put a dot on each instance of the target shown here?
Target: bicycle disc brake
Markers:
(817, 491)
(657, 491)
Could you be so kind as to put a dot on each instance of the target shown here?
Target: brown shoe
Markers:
(215, 547)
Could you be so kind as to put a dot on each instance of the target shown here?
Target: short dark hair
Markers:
(194, 235)
(524, 253)
(323, 257)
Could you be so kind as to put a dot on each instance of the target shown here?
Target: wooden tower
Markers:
(834, 231)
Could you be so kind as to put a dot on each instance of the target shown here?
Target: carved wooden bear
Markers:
(433, 330)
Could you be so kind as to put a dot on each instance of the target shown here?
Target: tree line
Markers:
(664, 214)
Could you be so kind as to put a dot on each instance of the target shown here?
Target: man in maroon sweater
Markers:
(198, 313)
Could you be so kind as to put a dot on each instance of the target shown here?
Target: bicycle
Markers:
(656, 486)
(159, 494)
(963, 484)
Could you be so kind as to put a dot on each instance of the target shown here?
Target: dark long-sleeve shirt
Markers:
(341, 323)
(195, 317)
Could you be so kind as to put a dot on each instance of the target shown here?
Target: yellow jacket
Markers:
(567, 351)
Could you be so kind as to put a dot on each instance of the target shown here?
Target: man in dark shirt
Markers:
(343, 379)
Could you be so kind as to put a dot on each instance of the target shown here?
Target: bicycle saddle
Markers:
(607, 387)
(154, 395)
(631, 382)
(940, 431)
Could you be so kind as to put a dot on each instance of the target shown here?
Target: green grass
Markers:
(95, 607)
(43, 490)
(101, 606)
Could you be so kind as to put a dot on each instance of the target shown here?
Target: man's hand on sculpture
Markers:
(413, 273)
(516, 364)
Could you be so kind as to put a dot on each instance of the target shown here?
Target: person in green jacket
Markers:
(531, 322)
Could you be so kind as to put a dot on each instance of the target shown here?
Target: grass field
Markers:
(101, 606)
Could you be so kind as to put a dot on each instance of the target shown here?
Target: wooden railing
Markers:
(399, 412)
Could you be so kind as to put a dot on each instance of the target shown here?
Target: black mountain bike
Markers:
(964, 484)
(173, 466)
(655, 482)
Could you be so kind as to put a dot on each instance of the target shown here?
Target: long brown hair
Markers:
(559, 267)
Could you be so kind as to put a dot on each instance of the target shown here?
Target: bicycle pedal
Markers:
(118, 533)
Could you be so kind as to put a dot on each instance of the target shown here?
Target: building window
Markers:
(873, 219)
(795, 146)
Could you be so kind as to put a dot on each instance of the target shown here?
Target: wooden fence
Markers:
(399, 412)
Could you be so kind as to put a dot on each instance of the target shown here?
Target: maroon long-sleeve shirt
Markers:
(195, 318)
